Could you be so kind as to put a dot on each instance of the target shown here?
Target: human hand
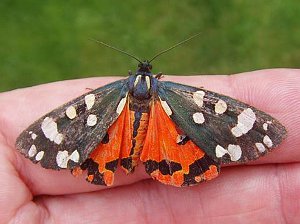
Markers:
(265, 190)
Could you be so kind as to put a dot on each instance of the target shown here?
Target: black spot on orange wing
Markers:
(183, 139)
(169, 162)
(201, 170)
(105, 140)
(93, 174)
(166, 168)
(127, 165)
(112, 166)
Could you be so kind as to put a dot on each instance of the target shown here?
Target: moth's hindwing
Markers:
(66, 136)
(226, 129)
(172, 158)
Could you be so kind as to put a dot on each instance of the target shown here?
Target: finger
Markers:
(13, 191)
(38, 100)
(267, 193)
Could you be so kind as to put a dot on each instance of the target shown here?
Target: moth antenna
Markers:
(116, 49)
(172, 47)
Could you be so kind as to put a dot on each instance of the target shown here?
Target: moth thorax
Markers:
(141, 87)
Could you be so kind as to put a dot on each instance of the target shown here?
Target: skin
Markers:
(266, 190)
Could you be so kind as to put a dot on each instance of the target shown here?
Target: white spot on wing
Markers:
(33, 136)
(58, 139)
(260, 147)
(49, 128)
(74, 156)
(234, 151)
(89, 101)
(236, 131)
(220, 151)
(267, 141)
(198, 118)
(32, 151)
(220, 107)
(39, 156)
(71, 112)
(166, 107)
(246, 120)
(265, 126)
(121, 105)
(62, 158)
(91, 120)
(198, 97)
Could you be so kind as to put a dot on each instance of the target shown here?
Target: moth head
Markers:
(140, 83)
(145, 67)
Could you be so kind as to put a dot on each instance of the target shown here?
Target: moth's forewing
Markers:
(226, 129)
(66, 136)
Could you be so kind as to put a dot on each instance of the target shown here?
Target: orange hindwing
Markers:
(172, 158)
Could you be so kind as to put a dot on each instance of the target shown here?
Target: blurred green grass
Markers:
(45, 41)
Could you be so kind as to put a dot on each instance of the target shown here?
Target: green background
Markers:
(45, 41)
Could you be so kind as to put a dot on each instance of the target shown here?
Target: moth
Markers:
(182, 134)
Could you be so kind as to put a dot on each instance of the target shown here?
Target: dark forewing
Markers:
(226, 129)
(66, 136)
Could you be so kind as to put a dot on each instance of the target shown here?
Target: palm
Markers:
(266, 190)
